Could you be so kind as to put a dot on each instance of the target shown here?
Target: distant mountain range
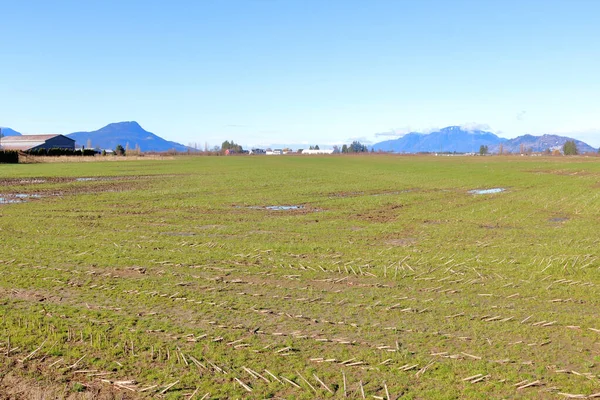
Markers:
(539, 143)
(449, 139)
(452, 138)
(457, 139)
(121, 133)
(9, 132)
(125, 134)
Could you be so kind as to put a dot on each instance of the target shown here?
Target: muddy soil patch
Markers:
(24, 294)
(56, 180)
(214, 226)
(14, 384)
(401, 242)
(387, 213)
(371, 193)
(71, 186)
(178, 233)
(561, 172)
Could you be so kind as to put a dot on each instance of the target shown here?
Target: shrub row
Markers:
(9, 157)
(61, 152)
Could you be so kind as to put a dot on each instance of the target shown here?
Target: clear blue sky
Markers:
(301, 71)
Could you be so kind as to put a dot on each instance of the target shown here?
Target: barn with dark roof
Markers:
(36, 142)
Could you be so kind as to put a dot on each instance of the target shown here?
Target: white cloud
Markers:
(430, 129)
(474, 126)
(360, 139)
(521, 115)
(399, 132)
(395, 132)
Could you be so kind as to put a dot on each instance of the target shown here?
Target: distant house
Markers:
(330, 151)
(36, 142)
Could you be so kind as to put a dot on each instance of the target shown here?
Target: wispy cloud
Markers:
(430, 129)
(399, 132)
(394, 132)
(521, 115)
(361, 139)
(474, 126)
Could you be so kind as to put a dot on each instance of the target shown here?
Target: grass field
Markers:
(385, 278)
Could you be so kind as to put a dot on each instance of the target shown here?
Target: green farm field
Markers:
(300, 278)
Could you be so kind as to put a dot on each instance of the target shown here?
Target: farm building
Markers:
(317, 151)
(36, 142)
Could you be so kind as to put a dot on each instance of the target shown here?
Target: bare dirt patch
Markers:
(562, 172)
(385, 214)
(28, 295)
(370, 193)
(401, 242)
(214, 226)
(29, 188)
(178, 233)
(16, 386)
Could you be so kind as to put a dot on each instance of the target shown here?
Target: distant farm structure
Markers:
(324, 151)
(30, 143)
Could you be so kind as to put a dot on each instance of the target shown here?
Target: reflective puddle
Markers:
(487, 191)
(284, 208)
(17, 198)
(5, 200)
(558, 219)
(274, 208)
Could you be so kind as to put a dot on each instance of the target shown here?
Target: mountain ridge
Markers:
(9, 132)
(531, 143)
(449, 139)
(460, 140)
(126, 133)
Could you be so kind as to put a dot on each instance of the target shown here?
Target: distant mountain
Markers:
(450, 139)
(9, 132)
(539, 144)
(292, 146)
(126, 134)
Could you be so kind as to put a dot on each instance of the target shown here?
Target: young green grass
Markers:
(172, 277)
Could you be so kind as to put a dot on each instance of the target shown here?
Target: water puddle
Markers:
(558, 219)
(17, 198)
(5, 200)
(274, 208)
(390, 193)
(283, 208)
(487, 191)
(99, 178)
